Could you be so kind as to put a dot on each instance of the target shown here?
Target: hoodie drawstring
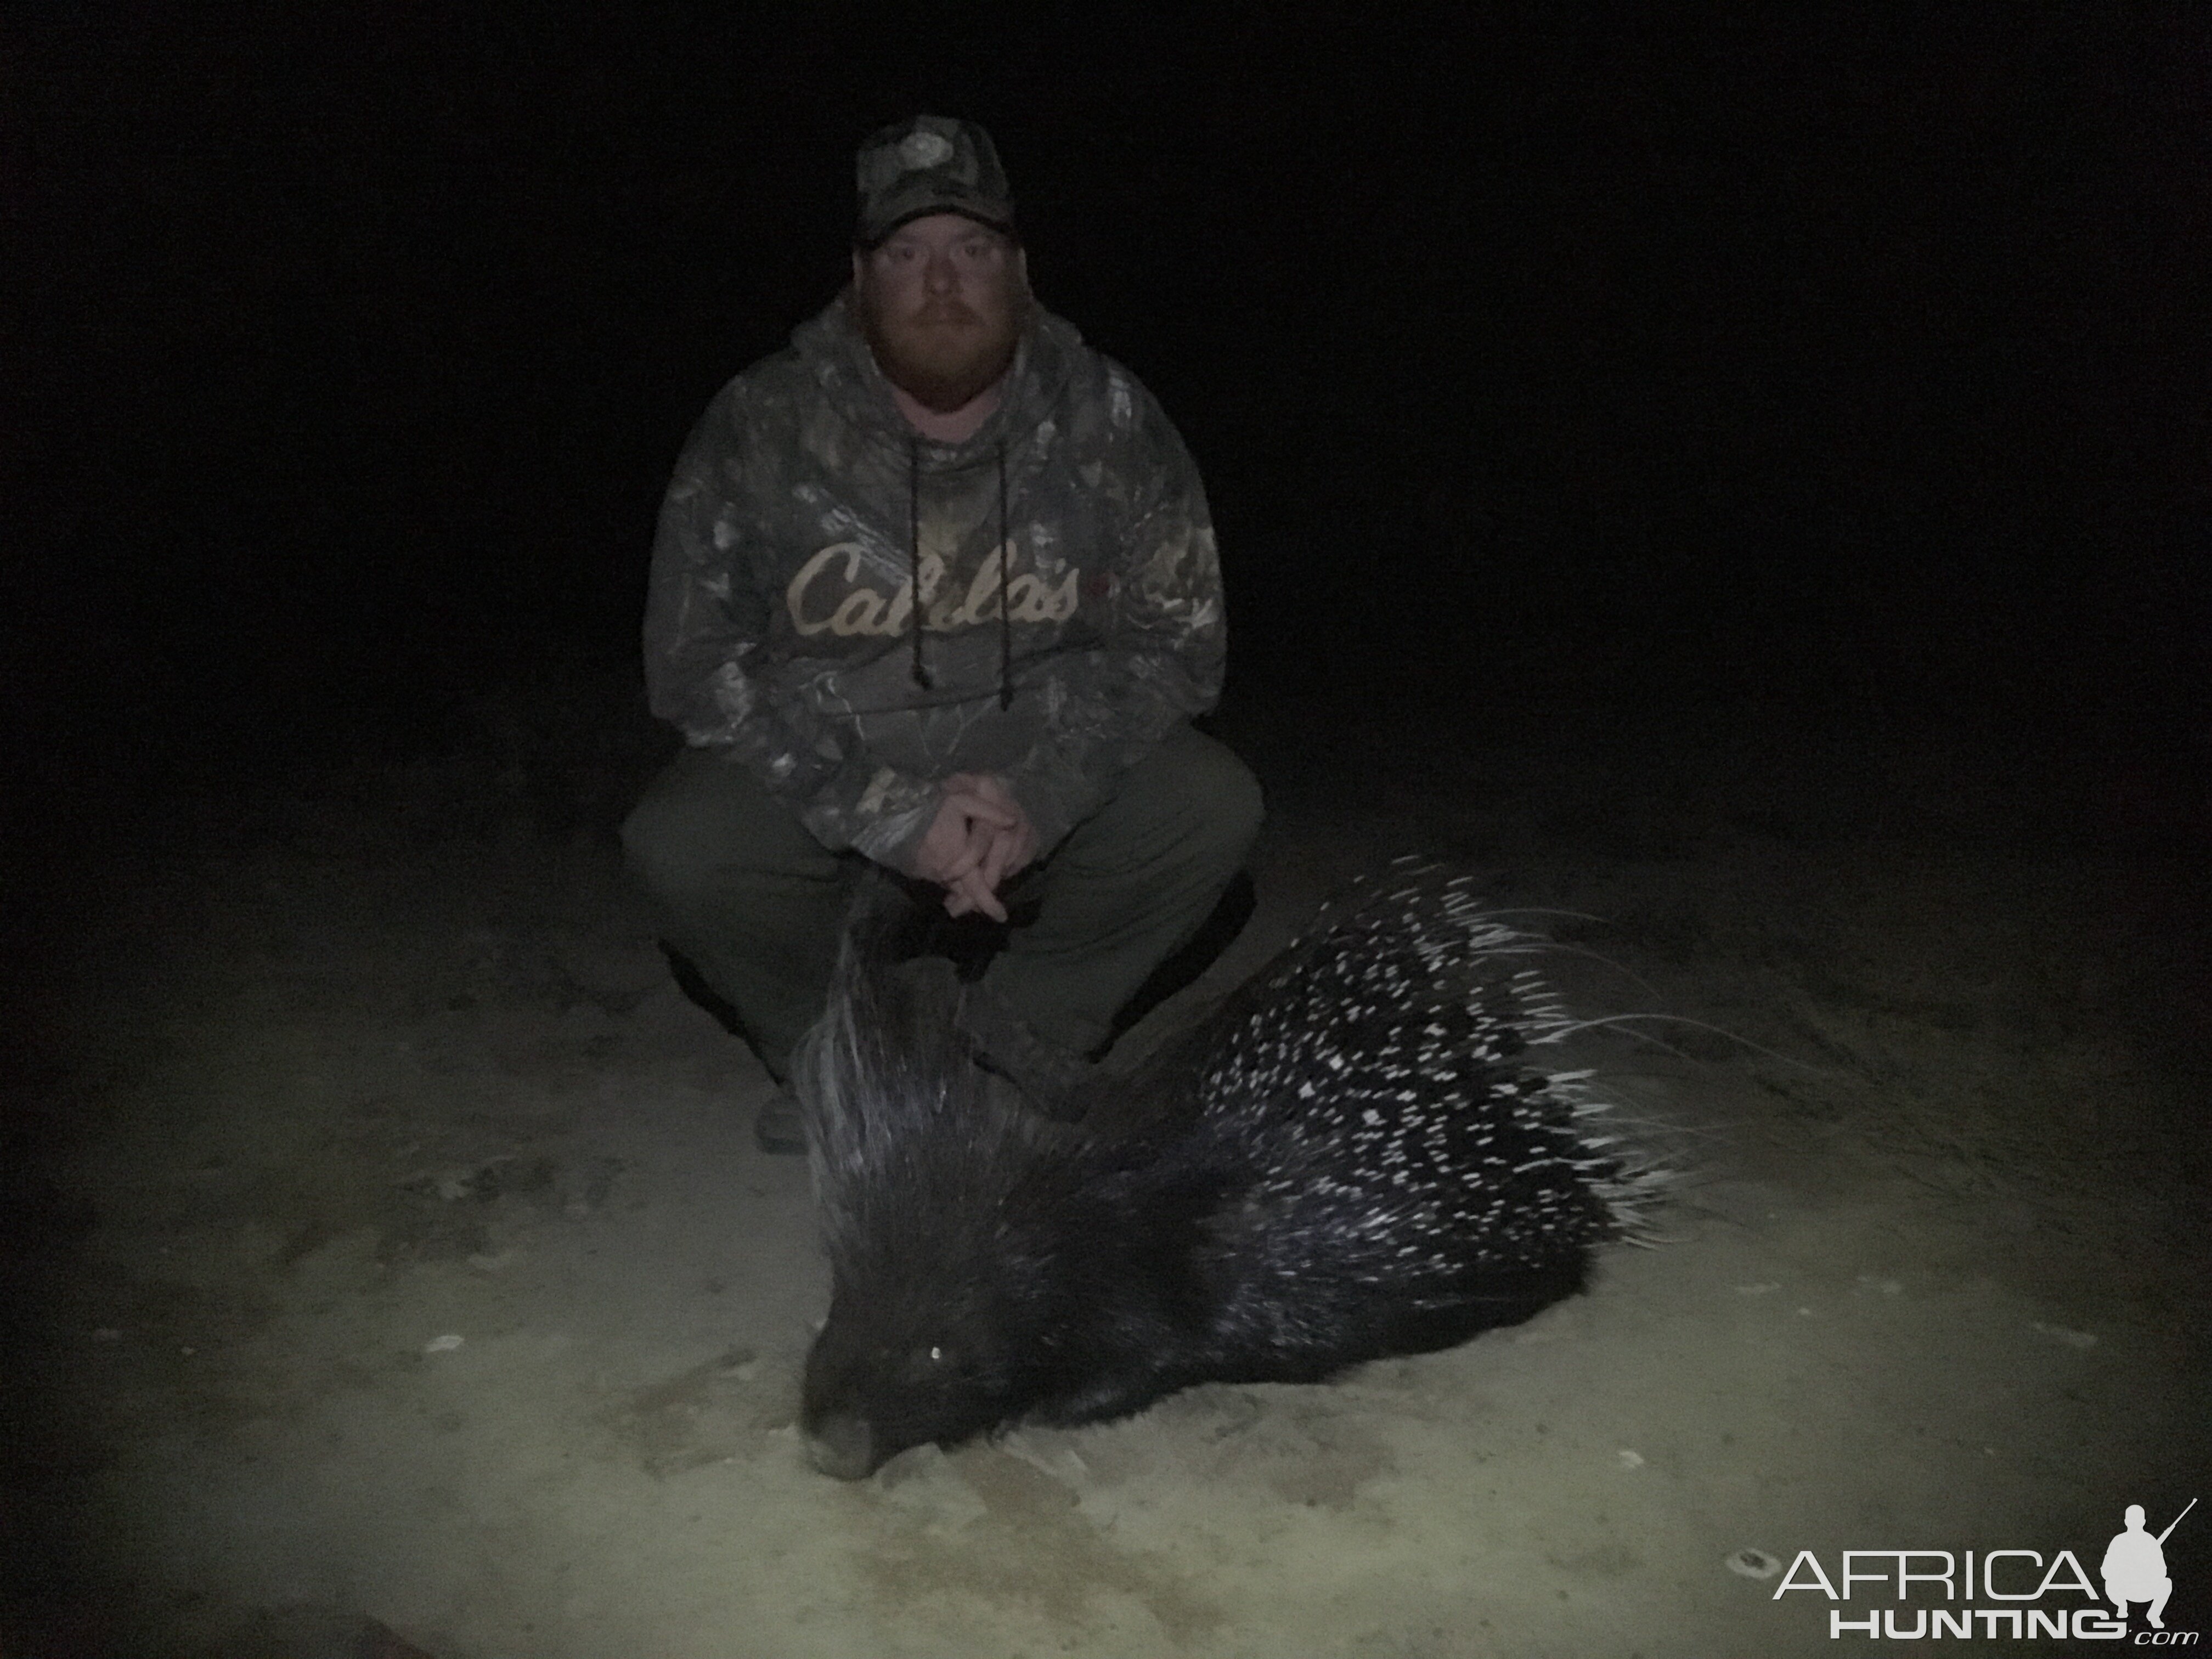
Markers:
(1005, 608)
(922, 677)
(914, 550)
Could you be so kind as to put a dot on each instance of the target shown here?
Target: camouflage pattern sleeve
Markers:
(1165, 653)
(707, 623)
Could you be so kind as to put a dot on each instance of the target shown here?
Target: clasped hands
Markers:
(980, 836)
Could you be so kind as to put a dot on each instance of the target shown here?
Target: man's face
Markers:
(942, 301)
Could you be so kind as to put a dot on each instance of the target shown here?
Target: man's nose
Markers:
(940, 274)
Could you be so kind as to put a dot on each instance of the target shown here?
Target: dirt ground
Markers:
(397, 1250)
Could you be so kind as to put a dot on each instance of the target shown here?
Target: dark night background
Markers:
(1839, 369)
(1840, 359)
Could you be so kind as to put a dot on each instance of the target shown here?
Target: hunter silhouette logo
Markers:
(2135, 1566)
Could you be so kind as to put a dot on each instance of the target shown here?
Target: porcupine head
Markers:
(939, 1219)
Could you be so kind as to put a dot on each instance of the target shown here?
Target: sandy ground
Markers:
(400, 1252)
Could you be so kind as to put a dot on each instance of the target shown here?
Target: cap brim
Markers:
(982, 213)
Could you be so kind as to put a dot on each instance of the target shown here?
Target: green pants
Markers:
(756, 902)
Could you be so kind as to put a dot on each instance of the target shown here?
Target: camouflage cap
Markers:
(931, 164)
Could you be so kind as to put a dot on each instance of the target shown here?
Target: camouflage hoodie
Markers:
(778, 625)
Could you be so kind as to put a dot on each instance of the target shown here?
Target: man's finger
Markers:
(971, 895)
(986, 900)
(964, 862)
(933, 862)
(969, 805)
(1012, 851)
(994, 866)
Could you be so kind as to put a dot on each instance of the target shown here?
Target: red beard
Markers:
(945, 355)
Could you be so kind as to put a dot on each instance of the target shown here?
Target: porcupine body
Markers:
(1359, 1154)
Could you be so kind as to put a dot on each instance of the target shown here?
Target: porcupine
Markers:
(1355, 1155)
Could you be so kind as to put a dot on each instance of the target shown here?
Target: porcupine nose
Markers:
(842, 1449)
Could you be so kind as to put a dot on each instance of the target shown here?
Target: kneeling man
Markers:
(935, 588)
